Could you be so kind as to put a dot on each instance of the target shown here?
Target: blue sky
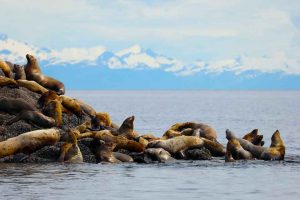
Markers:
(240, 35)
(187, 29)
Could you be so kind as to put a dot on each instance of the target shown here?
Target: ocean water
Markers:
(156, 111)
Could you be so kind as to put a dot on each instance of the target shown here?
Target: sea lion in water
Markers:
(206, 131)
(29, 142)
(35, 117)
(276, 151)
(13, 106)
(6, 69)
(32, 86)
(69, 151)
(104, 151)
(158, 154)
(177, 144)
(19, 72)
(4, 81)
(237, 152)
(33, 72)
(254, 138)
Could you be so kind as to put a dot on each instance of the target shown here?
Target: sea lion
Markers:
(71, 104)
(254, 138)
(104, 118)
(275, 152)
(35, 117)
(89, 110)
(46, 97)
(32, 86)
(4, 81)
(54, 110)
(6, 69)
(122, 157)
(216, 149)
(34, 72)
(19, 72)
(104, 151)
(13, 106)
(29, 142)
(206, 131)
(177, 144)
(126, 129)
(69, 151)
(237, 152)
(158, 154)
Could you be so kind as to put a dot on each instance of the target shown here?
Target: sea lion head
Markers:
(276, 140)
(254, 138)
(30, 58)
(229, 134)
(128, 122)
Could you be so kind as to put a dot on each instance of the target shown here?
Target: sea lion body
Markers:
(216, 149)
(89, 110)
(177, 144)
(126, 129)
(158, 154)
(12, 105)
(32, 86)
(122, 157)
(104, 151)
(34, 72)
(54, 110)
(69, 151)
(4, 81)
(35, 117)
(206, 131)
(237, 152)
(6, 69)
(71, 104)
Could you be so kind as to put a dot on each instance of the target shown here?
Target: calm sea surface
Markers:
(155, 111)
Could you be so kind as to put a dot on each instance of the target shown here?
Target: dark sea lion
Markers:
(32, 86)
(158, 154)
(19, 72)
(126, 129)
(33, 72)
(4, 81)
(6, 69)
(254, 138)
(216, 149)
(13, 106)
(89, 110)
(206, 131)
(177, 144)
(275, 152)
(29, 142)
(35, 117)
(69, 151)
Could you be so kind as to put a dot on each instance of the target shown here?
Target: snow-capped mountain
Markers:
(139, 68)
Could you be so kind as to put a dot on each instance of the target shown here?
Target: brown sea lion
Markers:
(6, 69)
(13, 106)
(177, 144)
(216, 149)
(35, 117)
(33, 72)
(206, 131)
(32, 86)
(54, 110)
(104, 118)
(254, 138)
(71, 104)
(29, 142)
(126, 129)
(19, 72)
(237, 152)
(158, 154)
(275, 152)
(69, 151)
(104, 151)
(4, 81)
(89, 110)
(46, 97)
(122, 157)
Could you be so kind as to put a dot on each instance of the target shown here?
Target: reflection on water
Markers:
(155, 112)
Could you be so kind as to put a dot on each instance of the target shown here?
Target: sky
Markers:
(258, 34)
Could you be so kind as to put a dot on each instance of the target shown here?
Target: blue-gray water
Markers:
(155, 111)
